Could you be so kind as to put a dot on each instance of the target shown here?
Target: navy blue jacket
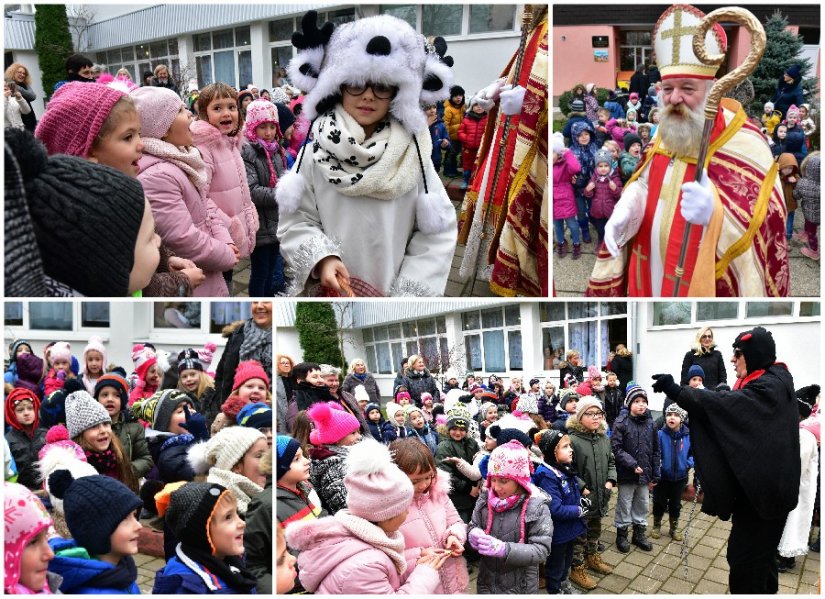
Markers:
(87, 576)
(564, 507)
(179, 579)
(677, 457)
(390, 431)
(375, 429)
(427, 435)
(635, 443)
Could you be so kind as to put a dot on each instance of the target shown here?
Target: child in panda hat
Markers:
(364, 188)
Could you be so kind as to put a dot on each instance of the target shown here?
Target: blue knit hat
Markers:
(255, 415)
(633, 391)
(696, 370)
(287, 447)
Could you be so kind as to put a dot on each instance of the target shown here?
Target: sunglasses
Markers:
(707, 336)
(379, 90)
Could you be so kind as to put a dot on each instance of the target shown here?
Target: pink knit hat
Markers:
(95, 344)
(403, 395)
(249, 369)
(143, 358)
(60, 350)
(512, 461)
(74, 116)
(206, 354)
(332, 423)
(257, 113)
(24, 517)
(377, 489)
(158, 107)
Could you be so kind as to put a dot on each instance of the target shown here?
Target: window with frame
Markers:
(591, 328)
(143, 57)
(671, 313)
(387, 345)
(441, 19)
(57, 316)
(809, 309)
(716, 311)
(224, 56)
(762, 309)
(492, 339)
(487, 18)
(635, 48)
(405, 12)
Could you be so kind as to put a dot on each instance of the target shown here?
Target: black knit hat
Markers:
(631, 138)
(189, 359)
(456, 90)
(285, 117)
(190, 511)
(85, 216)
(547, 442)
(806, 399)
(94, 507)
(758, 347)
(506, 435)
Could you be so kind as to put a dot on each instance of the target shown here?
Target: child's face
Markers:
(695, 382)
(367, 109)
(786, 170)
(427, 401)
(564, 451)
(604, 115)
(478, 109)
(250, 464)
(298, 470)
(226, 530)
(222, 113)
(549, 389)
(24, 412)
(781, 131)
(655, 117)
(516, 382)
(421, 481)
(791, 121)
(673, 422)
(285, 566)
(635, 149)
(417, 420)
(596, 380)
(403, 401)
(614, 151)
(457, 433)
(62, 364)
(179, 133)
(314, 378)
(147, 252)
(374, 415)
(109, 398)
(492, 414)
(603, 169)
(178, 418)
(122, 147)
(34, 562)
(152, 377)
(400, 417)
(431, 112)
(22, 349)
(583, 138)
(253, 390)
(99, 437)
(470, 380)
(803, 112)
(351, 439)
(457, 99)
(362, 403)
(94, 362)
(638, 407)
(267, 132)
(631, 117)
(490, 443)
(189, 379)
(504, 487)
(124, 539)
(612, 381)
(570, 408)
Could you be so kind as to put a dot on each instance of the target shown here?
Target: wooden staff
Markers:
(758, 42)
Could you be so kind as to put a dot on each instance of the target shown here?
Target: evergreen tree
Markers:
(783, 49)
(318, 333)
(52, 42)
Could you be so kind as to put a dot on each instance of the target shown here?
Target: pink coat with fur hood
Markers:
(333, 561)
(227, 184)
(431, 519)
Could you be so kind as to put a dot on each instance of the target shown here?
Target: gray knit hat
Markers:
(83, 412)
(604, 156)
(675, 409)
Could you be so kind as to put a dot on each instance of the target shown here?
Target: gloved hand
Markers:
(475, 536)
(61, 375)
(487, 96)
(511, 99)
(195, 424)
(585, 506)
(697, 201)
(665, 384)
(615, 226)
(493, 548)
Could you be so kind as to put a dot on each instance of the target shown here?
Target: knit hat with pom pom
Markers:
(511, 460)
(25, 518)
(224, 450)
(188, 509)
(361, 393)
(117, 381)
(61, 453)
(157, 410)
(377, 490)
(143, 358)
(259, 112)
(60, 351)
(332, 423)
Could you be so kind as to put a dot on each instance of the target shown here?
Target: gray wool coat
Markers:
(518, 572)
(263, 196)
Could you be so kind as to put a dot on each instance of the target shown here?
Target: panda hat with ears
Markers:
(380, 49)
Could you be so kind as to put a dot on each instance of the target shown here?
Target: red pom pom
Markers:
(57, 433)
(232, 406)
(746, 337)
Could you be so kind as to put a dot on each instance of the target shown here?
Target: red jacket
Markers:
(471, 130)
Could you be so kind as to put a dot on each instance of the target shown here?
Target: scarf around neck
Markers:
(392, 544)
(187, 159)
(257, 345)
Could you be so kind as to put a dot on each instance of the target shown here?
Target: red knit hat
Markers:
(332, 423)
(249, 369)
(143, 358)
(74, 116)
(15, 397)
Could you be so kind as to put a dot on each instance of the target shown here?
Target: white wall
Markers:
(478, 62)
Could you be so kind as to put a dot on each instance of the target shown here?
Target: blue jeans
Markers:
(789, 225)
(267, 274)
(557, 566)
(572, 224)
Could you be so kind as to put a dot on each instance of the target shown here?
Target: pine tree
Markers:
(783, 49)
(52, 42)
(318, 333)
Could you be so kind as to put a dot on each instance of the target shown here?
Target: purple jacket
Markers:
(431, 519)
(604, 199)
(564, 198)
(616, 132)
(187, 221)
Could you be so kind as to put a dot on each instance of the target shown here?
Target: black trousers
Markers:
(752, 552)
(667, 497)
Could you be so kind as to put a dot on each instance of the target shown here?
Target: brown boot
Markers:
(675, 533)
(656, 530)
(595, 563)
(580, 577)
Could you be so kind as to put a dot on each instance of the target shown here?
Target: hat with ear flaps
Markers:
(379, 49)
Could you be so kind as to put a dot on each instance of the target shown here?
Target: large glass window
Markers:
(13, 312)
(54, 316)
(441, 19)
(492, 17)
(492, 340)
(670, 313)
(145, 57)
(809, 308)
(425, 337)
(716, 310)
(281, 30)
(224, 56)
(591, 328)
(94, 314)
(405, 12)
(761, 309)
(177, 315)
(635, 49)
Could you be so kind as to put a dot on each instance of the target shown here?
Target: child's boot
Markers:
(561, 248)
(595, 562)
(812, 254)
(567, 588)
(656, 531)
(580, 577)
(639, 539)
(621, 539)
(675, 534)
(466, 183)
(577, 251)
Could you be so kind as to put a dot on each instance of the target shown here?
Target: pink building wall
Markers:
(573, 57)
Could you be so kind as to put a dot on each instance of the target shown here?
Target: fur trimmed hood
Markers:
(205, 134)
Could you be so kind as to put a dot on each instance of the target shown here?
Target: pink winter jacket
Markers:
(617, 132)
(431, 519)
(188, 222)
(564, 198)
(332, 561)
(226, 180)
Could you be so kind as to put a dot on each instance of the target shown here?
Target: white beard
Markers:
(682, 135)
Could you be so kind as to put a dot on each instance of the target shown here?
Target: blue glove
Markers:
(195, 424)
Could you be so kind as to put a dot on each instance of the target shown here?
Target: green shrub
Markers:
(318, 333)
(52, 42)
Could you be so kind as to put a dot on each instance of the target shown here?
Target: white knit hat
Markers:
(95, 344)
(377, 489)
(361, 393)
(83, 412)
(527, 404)
(224, 450)
(392, 409)
(60, 350)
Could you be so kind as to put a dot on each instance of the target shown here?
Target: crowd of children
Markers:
(95, 458)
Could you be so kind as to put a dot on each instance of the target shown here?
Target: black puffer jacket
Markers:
(171, 459)
(419, 382)
(712, 363)
(623, 367)
(635, 442)
(613, 402)
(576, 371)
(24, 450)
(263, 196)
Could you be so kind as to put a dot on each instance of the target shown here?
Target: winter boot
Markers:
(585, 229)
(466, 182)
(639, 539)
(786, 563)
(812, 254)
(656, 531)
(561, 249)
(621, 539)
(594, 562)
(675, 533)
(568, 589)
(577, 251)
(580, 577)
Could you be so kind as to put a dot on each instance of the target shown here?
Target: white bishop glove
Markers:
(697, 201)
(511, 99)
(615, 226)
(486, 98)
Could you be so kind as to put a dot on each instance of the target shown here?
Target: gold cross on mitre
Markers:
(673, 43)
